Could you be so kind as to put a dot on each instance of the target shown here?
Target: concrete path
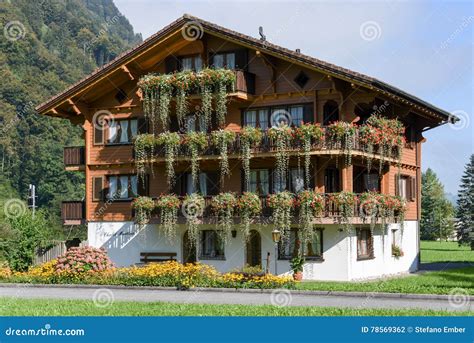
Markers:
(104, 294)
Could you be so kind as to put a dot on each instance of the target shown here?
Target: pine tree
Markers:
(436, 211)
(465, 209)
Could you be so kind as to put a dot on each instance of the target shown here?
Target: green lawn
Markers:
(445, 252)
(41, 307)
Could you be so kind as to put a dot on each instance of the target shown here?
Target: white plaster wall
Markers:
(124, 242)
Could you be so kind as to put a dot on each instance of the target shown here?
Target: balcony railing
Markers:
(74, 156)
(244, 82)
(73, 212)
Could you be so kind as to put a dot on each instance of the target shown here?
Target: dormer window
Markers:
(193, 63)
(224, 60)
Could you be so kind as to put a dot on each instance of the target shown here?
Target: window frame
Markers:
(224, 54)
(271, 109)
(129, 132)
(294, 247)
(193, 62)
(203, 257)
(129, 187)
(369, 242)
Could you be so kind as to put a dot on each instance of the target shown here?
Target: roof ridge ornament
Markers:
(263, 38)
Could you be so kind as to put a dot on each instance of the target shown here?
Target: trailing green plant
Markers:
(369, 137)
(397, 251)
(370, 207)
(343, 133)
(157, 92)
(143, 207)
(222, 139)
(282, 137)
(390, 136)
(184, 82)
(297, 264)
(311, 206)
(249, 207)
(196, 143)
(170, 142)
(224, 205)
(168, 204)
(393, 208)
(249, 137)
(282, 204)
(307, 134)
(193, 209)
(344, 203)
(224, 79)
(144, 146)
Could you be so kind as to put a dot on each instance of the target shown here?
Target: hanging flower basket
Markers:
(193, 208)
(170, 142)
(282, 204)
(224, 205)
(282, 137)
(342, 134)
(222, 139)
(144, 146)
(370, 207)
(168, 204)
(250, 137)
(143, 207)
(249, 207)
(344, 203)
(308, 134)
(196, 143)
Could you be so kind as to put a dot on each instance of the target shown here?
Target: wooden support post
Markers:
(347, 177)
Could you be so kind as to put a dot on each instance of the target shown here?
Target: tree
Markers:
(436, 211)
(465, 206)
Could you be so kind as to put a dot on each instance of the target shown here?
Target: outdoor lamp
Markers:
(276, 235)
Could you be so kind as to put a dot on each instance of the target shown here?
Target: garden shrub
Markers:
(82, 260)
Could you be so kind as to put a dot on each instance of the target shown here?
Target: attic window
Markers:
(301, 79)
(120, 96)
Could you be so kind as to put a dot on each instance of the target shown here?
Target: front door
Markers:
(189, 252)
(254, 249)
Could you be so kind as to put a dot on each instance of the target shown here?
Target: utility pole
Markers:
(32, 197)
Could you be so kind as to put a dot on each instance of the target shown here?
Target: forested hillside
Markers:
(45, 46)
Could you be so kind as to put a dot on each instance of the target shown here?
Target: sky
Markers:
(422, 47)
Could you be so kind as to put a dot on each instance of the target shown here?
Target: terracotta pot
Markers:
(298, 276)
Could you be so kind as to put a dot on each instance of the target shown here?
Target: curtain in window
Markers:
(296, 115)
(219, 61)
(264, 184)
(297, 180)
(124, 131)
(203, 183)
(202, 124)
(279, 183)
(251, 118)
(189, 184)
(133, 185)
(187, 63)
(197, 63)
(112, 186)
(190, 124)
(402, 187)
(123, 187)
(230, 63)
(371, 182)
(263, 119)
(134, 127)
(112, 131)
(253, 182)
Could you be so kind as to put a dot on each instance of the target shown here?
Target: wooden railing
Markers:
(244, 82)
(72, 212)
(74, 156)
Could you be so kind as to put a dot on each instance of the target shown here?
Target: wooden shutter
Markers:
(370, 243)
(308, 115)
(213, 183)
(412, 186)
(143, 186)
(241, 59)
(171, 64)
(142, 125)
(98, 135)
(97, 188)
(397, 184)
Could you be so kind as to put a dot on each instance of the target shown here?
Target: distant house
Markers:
(345, 239)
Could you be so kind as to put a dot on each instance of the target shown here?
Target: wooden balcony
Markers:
(244, 82)
(73, 212)
(74, 158)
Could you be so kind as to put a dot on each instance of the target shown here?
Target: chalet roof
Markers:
(264, 46)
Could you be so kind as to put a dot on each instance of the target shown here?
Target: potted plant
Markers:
(397, 252)
(143, 207)
(296, 265)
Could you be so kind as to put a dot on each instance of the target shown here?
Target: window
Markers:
(207, 184)
(330, 112)
(364, 244)
(405, 187)
(371, 182)
(279, 183)
(331, 180)
(193, 124)
(201, 186)
(193, 63)
(122, 131)
(296, 115)
(296, 180)
(402, 187)
(271, 116)
(224, 60)
(122, 187)
(256, 118)
(211, 246)
(301, 79)
(259, 182)
(313, 249)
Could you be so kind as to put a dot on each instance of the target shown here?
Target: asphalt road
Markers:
(277, 297)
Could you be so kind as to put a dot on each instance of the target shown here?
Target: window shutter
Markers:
(97, 188)
(308, 115)
(397, 184)
(241, 59)
(143, 185)
(171, 64)
(142, 125)
(213, 183)
(98, 135)
(370, 243)
(412, 193)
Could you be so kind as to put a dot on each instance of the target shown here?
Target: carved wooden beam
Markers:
(74, 107)
(127, 71)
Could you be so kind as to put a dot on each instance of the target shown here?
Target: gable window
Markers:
(122, 131)
(224, 60)
(211, 246)
(312, 250)
(364, 244)
(271, 116)
(122, 187)
(193, 63)
(259, 181)
(256, 118)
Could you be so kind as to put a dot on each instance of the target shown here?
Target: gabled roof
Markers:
(363, 80)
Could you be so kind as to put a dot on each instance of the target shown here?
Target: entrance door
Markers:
(254, 249)
(189, 252)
